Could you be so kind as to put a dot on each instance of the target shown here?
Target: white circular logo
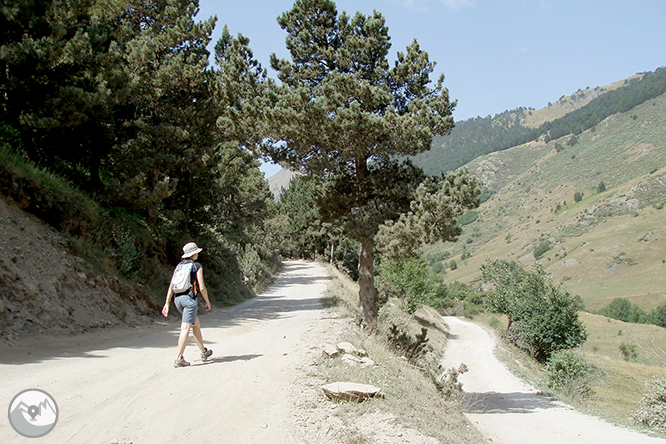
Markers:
(33, 413)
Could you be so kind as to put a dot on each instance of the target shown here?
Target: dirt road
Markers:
(508, 411)
(120, 385)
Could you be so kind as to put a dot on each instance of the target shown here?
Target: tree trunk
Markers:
(366, 282)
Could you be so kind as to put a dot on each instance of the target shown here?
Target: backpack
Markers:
(181, 281)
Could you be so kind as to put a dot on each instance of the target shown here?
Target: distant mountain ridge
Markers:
(569, 115)
(279, 182)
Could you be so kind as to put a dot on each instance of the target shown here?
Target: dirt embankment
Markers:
(46, 288)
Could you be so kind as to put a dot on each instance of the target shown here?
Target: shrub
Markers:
(448, 382)
(543, 317)
(437, 268)
(468, 218)
(411, 348)
(622, 310)
(652, 411)
(410, 280)
(658, 316)
(628, 351)
(569, 374)
(541, 249)
(460, 299)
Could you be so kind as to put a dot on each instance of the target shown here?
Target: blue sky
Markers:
(495, 54)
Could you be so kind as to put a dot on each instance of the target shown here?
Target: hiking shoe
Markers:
(206, 353)
(180, 363)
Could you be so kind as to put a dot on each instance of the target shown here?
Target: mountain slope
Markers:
(610, 243)
(570, 115)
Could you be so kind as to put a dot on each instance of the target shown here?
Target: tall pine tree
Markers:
(343, 113)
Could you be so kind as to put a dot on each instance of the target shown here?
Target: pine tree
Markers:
(343, 113)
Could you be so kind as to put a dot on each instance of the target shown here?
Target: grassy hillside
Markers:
(620, 388)
(609, 244)
(568, 116)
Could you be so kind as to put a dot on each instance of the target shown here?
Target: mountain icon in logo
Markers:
(33, 413)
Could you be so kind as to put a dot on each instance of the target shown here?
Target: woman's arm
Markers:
(203, 289)
(169, 295)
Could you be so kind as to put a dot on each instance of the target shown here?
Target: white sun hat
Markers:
(190, 250)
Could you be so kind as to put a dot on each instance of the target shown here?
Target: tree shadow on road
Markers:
(499, 403)
(274, 303)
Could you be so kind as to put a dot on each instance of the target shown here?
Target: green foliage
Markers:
(485, 195)
(601, 187)
(437, 268)
(623, 310)
(458, 299)
(541, 249)
(409, 280)
(543, 318)
(569, 374)
(578, 196)
(472, 138)
(658, 316)
(128, 253)
(628, 351)
(453, 265)
(118, 99)
(652, 412)
(433, 215)
(468, 218)
(305, 236)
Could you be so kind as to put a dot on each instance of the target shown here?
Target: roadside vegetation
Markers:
(410, 381)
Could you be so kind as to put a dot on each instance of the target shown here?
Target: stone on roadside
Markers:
(350, 391)
(330, 350)
(346, 347)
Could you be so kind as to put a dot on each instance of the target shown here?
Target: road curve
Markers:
(508, 411)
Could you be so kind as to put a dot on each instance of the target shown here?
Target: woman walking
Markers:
(187, 283)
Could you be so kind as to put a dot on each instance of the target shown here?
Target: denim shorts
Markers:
(188, 307)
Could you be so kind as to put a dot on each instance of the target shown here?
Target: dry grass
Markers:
(408, 390)
(620, 390)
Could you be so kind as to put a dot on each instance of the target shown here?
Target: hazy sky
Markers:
(495, 54)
